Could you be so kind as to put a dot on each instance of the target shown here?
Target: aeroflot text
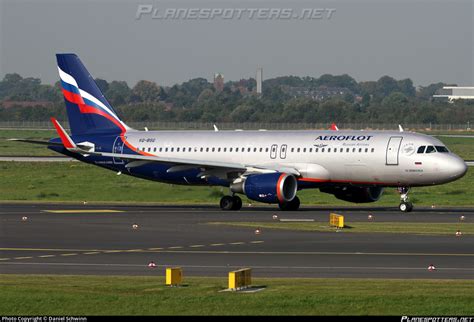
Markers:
(344, 137)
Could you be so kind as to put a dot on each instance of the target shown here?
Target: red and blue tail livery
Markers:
(88, 110)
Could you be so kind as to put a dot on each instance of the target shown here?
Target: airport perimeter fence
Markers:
(250, 126)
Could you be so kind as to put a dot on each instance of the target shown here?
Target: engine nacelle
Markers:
(268, 187)
(355, 194)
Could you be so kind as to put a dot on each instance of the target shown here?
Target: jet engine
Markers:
(268, 187)
(355, 194)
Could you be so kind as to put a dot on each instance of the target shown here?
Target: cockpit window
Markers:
(441, 149)
(430, 149)
(421, 149)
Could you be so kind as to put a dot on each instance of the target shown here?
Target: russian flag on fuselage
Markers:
(88, 110)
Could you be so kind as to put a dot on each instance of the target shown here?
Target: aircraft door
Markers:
(393, 149)
(283, 149)
(118, 148)
(273, 151)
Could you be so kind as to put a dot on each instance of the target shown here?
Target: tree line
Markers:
(328, 98)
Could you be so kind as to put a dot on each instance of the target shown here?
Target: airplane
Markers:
(265, 166)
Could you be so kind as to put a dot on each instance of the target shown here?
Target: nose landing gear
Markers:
(405, 204)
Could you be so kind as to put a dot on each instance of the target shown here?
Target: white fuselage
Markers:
(383, 158)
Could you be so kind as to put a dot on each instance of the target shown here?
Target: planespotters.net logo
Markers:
(437, 319)
(149, 11)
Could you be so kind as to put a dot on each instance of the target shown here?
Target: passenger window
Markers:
(213, 149)
(341, 150)
(236, 149)
(322, 150)
(430, 149)
(421, 149)
(366, 150)
(316, 150)
(329, 149)
(304, 150)
(248, 149)
(172, 149)
(154, 149)
(360, 150)
(310, 150)
(292, 149)
(353, 150)
(166, 149)
(298, 150)
(254, 149)
(261, 149)
(372, 150)
(266, 150)
(230, 149)
(441, 149)
(347, 150)
(177, 149)
(202, 149)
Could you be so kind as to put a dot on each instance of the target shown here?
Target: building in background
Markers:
(259, 79)
(218, 82)
(456, 92)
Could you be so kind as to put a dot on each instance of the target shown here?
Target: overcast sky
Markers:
(427, 41)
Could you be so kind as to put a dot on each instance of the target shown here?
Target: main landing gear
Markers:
(405, 204)
(231, 203)
(291, 205)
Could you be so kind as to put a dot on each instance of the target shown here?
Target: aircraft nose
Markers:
(457, 168)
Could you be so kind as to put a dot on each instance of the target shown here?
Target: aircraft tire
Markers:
(405, 207)
(227, 203)
(237, 203)
(290, 206)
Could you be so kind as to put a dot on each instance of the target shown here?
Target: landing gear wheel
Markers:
(231, 203)
(291, 205)
(237, 203)
(405, 206)
(227, 203)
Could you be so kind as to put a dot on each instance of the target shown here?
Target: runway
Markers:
(100, 240)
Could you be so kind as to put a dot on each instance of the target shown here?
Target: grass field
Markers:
(77, 182)
(464, 147)
(364, 227)
(109, 295)
(8, 148)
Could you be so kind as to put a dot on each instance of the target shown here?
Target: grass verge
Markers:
(111, 295)
(77, 182)
(364, 227)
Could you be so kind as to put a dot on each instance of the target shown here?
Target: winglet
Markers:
(334, 127)
(65, 139)
(400, 128)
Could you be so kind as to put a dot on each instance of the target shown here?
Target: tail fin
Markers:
(87, 108)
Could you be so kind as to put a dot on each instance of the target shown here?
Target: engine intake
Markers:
(268, 187)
